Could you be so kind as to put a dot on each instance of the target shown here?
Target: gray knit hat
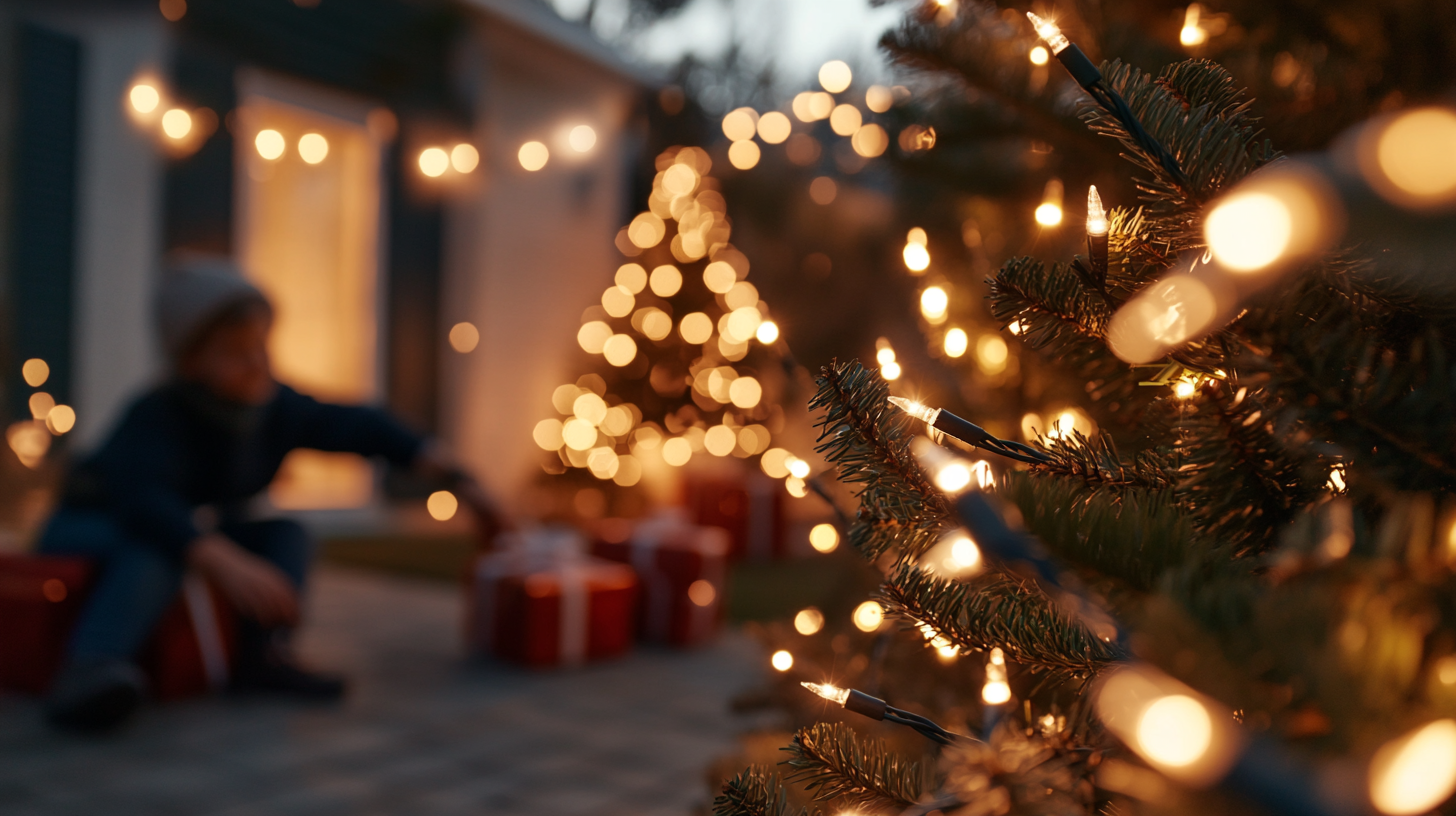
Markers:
(194, 291)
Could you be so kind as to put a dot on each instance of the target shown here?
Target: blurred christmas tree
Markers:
(1251, 599)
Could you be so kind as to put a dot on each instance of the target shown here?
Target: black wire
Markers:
(1112, 102)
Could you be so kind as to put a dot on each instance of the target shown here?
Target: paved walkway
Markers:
(424, 733)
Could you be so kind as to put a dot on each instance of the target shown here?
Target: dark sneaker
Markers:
(285, 678)
(95, 697)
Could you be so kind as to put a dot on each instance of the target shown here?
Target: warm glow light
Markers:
(60, 419)
(1414, 154)
(144, 98)
(1096, 215)
(582, 138)
(620, 349)
(1050, 34)
(677, 451)
(768, 332)
(992, 353)
(917, 257)
(891, 371)
(833, 694)
(592, 336)
(823, 190)
(1174, 730)
(775, 462)
(740, 125)
(1183, 389)
(646, 230)
(955, 556)
(744, 155)
(870, 141)
(954, 477)
(618, 301)
(176, 123)
(631, 277)
(782, 660)
(720, 440)
(40, 404)
(845, 119)
(811, 106)
(809, 621)
(547, 434)
(774, 127)
(29, 440)
(434, 161)
(35, 372)
(996, 691)
(956, 343)
(442, 505)
(702, 592)
(1416, 772)
(665, 281)
(824, 538)
(578, 434)
(879, 99)
(1048, 215)
(270, 144)
(696, 328)
(1248, 231)
(835, 76)
(532, 156)
(1192, 34)
(742, 324)
(590, 408)
(1039, 55)
(464, 157)
(933, 303)
(798, 468)
(1170, 312)
(1336, 481)
(313, 147)
(464, 337)
(868, 616)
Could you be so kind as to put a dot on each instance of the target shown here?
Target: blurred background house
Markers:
(420, 185)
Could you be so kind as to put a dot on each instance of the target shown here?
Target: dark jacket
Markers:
(178, 448)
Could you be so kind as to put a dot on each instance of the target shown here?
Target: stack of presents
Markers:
(540, 597)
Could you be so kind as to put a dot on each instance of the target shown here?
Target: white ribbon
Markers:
(555, 551)
(198, 599)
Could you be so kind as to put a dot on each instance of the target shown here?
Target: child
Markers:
(169, 490)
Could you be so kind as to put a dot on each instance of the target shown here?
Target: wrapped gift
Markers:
(750, 508)
(40, 597)
(682, 568)
(191, 651)
(540, 600)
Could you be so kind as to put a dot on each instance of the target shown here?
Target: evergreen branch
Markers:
(834, 763)
(753, 792)
(1097, 465)
(873, 536)
(1239, 481)
(1057, 312)
(868, 440)
(995, 610)
(1133, 535)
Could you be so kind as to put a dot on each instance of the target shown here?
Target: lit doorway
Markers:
(308, 173)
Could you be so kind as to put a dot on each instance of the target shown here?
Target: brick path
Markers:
(424, 733)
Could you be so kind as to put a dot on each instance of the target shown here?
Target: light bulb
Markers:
(1175, 730)
(827, 691)
(1416, 772)
(1096, 215)
(1050, 34)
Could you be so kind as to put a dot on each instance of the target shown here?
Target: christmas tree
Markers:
(1239, 603)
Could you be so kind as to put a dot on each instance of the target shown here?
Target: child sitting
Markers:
(209, 439)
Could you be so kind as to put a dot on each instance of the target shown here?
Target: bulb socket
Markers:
(861, 703)
(1079, 66)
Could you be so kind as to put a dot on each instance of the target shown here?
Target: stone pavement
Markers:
(424, 733)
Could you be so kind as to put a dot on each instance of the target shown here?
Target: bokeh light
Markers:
(665, 280)
(824, 537)
(464, 157)
(774, 127)
(313, 148)
(782, 660)
(442, 505)
(35, 372)
(879, 99)
(740, 125)
(1174, 730)
(434, 161)
(744, 155)
(956, 342)
(808, 621)
(868, 616)
(464, 337)
(1416, 155)
(144, 97)
(835, 76)
(845, 119)
(1416, 772)
(176, 123)
(270, 144)
(532, 156)
(582, 138)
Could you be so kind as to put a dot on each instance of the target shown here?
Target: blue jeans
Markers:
(136, 582)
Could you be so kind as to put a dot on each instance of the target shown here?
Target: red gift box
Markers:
(191, 650)
(541, 602)
(40, 598)
(750, 508)
(682, 568)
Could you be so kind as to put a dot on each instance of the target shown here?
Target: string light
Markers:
(767, 333)
(948, 423)
(996, 690)
(782, 660)
(1049, 212)
(1409, 160)
(532, 155)
(824, 538)
(809, 621)
(956, 343)
(177, 124)
(1097, 229)
(879, 99)
(464, 158)
(434, 161)
(955, 557)
(917, 256)
(835, 76)
(934, 302)
(877, 709)
(442, 505)
(144, 97)
(60, 419)
(1048, 31)
(270, 144)
(992, 354)
(35, 372)
(41, 404)
(845, 119)
(582, 138)
(1172, 727)
(313, 148)
(1416, 772)
(774, 127)
(1039, 55)
(1193, 34)
(1166, 314)
(868, 616)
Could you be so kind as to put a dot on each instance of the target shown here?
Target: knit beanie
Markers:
(195, 291)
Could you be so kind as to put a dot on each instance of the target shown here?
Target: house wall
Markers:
(527, 252)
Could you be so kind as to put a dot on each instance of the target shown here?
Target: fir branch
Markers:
(1098, 465)
(873, 536)
(996, 610)
(754, 792)
(835, 764)
(869, 441)
(1133, 535)
(1240, 481)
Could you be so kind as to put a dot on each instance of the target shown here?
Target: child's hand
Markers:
(257, 588)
